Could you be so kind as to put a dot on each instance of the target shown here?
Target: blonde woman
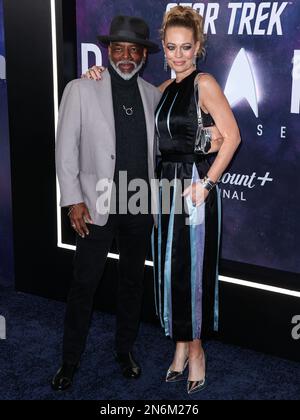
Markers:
(187, 254)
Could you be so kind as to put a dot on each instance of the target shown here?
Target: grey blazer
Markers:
(86, 141)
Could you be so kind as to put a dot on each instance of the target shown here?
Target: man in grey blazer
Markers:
(105, 129)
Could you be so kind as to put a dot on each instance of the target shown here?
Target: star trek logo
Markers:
(246, 18)
(2, 68)
(241, 83)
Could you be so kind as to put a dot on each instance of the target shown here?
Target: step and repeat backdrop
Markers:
(6, 263)
(253, 50)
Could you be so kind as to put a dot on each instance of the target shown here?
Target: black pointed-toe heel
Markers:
(174, 376)
(197, 386)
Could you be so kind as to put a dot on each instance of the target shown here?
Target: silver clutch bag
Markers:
(203, 135)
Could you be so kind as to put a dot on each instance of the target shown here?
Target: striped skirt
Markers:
(185, 248)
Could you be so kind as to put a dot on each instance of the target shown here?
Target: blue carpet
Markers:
(31, 355)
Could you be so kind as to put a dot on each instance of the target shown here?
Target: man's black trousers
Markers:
(132, 234)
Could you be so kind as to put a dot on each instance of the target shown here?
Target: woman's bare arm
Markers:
(213, 100)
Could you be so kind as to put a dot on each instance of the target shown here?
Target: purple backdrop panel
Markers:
(6, 258)
(254, 53)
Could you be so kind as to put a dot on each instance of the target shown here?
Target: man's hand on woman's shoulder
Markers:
(94, 73)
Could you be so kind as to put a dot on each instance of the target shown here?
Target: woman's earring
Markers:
(195, 60)
(165, 64)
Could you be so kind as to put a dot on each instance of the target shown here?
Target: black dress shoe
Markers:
(130, 368)
(64, 377)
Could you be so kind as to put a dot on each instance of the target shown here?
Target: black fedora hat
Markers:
(129, 29)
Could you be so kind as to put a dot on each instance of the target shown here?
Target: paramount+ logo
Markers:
(245, 18)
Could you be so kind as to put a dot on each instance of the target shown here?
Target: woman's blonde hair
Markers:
(186, 17)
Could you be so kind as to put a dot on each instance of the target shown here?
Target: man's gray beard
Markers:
(127, 76)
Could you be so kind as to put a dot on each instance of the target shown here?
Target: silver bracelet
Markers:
(207, 183)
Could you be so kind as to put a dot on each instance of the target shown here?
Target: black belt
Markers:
(181, 157)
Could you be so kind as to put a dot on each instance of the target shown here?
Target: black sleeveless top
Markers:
(176, 117)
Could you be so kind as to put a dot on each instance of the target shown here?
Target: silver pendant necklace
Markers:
(128, 111)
